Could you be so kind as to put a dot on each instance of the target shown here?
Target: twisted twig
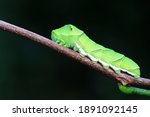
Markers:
(122, 77)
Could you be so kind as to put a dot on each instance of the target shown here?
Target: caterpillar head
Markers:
(66, 35)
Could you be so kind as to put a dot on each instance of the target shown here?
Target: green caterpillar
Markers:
(70, 36)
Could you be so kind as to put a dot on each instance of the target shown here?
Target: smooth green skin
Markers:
(71, 37)
(134, 90)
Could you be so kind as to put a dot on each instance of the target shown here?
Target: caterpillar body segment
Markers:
(107, 57)
(71, 37)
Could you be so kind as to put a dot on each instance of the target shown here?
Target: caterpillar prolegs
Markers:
(71, 37)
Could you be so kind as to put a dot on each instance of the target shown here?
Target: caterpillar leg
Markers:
(57, 41)
(62, 43)
(65, 45)
(104, 64)
(75, 48)
(81, 51)
(116, 69)
(133, 90)
(92, 58)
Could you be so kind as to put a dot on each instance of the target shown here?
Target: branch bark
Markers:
(122, 77)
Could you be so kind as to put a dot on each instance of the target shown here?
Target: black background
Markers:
(29, 70)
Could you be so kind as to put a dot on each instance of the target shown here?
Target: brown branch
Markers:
(122, 77)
